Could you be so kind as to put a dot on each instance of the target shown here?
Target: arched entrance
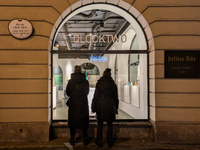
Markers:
(83, 33)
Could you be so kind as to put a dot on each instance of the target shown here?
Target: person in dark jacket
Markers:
(78, 114)
(105, 103)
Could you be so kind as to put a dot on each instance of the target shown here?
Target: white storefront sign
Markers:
(20, 29)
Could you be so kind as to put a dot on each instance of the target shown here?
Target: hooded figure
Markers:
(78, 114)
(105, 103)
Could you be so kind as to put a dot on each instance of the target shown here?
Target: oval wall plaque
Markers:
(20, 29)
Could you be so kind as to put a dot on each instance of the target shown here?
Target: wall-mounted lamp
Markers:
(56, 44)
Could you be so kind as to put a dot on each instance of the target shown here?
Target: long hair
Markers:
(107, 72)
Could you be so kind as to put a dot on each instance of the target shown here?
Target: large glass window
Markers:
(97, 39)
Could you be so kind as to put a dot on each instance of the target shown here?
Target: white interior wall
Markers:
(134, 111)
(140, 112)
(111, 64)
(133, 70)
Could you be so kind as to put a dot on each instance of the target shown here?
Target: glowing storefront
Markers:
(101, 38)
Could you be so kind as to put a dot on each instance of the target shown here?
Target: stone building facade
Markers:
(25, 89)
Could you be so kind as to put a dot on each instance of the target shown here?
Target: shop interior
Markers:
(113, 36)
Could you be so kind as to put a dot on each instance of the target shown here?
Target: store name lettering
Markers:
(101, 38)
(186, 58)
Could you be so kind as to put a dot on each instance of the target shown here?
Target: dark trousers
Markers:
(72, 132)
(109, 131)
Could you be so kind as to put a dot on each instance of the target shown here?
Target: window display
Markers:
(98, 39)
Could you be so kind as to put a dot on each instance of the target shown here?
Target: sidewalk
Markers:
(120, 144)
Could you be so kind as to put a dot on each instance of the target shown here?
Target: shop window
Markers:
(97, 39)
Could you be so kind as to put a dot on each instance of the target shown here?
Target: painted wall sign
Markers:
(20, 29)
(182, 64)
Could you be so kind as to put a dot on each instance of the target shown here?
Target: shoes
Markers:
(71, 141)
(85, 141)
(99, 144)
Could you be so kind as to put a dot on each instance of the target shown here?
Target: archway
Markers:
(140, 48)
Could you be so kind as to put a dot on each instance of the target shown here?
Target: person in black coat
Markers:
(78, 114)
(105, 103)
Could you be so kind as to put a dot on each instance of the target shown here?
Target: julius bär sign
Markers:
(20, 29)
(182, 64)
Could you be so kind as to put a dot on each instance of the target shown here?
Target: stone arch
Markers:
(142, 29)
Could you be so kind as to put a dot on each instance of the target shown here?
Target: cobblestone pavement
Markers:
(119, 144)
